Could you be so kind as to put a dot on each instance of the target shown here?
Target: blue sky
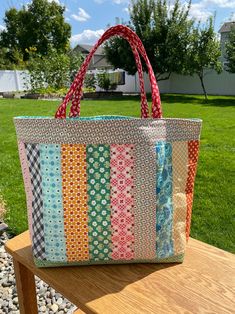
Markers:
(89, 18)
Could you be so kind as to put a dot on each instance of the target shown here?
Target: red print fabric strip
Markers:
(193, 149)
(122, 201)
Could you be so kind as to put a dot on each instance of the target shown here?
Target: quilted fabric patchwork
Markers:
(33, 157)
(50, 164)
(164, 212)
(27, 183)
(180, 174)
(145, 201)
(99, 211)
(122, 131)
(193, 149)
(102, 203)
(122, 201)
(74, 181)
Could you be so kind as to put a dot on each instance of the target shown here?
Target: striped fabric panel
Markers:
(27, 183)
(180, 174)
(193, 150)
(50, 164)
(99, 211)
(122, 201)
(33, 156)
(164, 211)
(74, 185)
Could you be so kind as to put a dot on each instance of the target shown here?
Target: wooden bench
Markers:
(204, 283)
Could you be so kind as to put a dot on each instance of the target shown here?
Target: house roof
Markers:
(226, 27)
(87, 48)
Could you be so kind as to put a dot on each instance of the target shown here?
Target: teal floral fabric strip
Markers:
(99, 211)
(50, 162)
(164, 211)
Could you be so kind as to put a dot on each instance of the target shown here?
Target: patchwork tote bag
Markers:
(108, 189)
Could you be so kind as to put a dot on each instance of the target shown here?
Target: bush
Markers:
(55, 71)
(104, 82)
(90, 82)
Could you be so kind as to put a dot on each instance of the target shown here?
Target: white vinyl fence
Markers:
(216, 84)
(12, 81)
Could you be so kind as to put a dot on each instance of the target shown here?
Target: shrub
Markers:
(104, 82)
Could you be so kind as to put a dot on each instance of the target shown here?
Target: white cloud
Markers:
(126, 10)
(120, 1)
(56, 1)
(82, 15)
(114, 1)
(229, 4)
(199, 12)
(88, 36)
(1, 28)
(232, 17)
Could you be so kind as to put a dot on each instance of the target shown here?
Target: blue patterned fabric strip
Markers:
(50, 162)
(33, 157)
(164, 211)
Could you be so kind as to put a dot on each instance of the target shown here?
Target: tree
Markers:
(230, 51)
(165, 33)
(54, 71)
(40, 24)
(203, 53)
(90, 82)
(15, 62)
(104, 82)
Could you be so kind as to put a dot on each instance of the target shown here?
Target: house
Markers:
(224, 34)
(98, 61)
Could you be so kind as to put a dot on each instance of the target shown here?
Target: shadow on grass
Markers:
(217, 101)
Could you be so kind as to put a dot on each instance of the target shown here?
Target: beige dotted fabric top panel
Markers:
(59, 131)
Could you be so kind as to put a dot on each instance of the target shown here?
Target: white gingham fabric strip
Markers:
(33, 156)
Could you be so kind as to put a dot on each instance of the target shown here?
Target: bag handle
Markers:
(137, 46)
(75, 108)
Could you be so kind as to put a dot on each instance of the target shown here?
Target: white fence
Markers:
(216, 84)
(12, 80)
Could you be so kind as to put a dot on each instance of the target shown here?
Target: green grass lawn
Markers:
(214, 204)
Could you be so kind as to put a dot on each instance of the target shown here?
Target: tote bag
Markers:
(108, 189)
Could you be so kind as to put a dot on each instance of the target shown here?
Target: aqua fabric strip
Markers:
(164, 211)
(98, 188)
(50, 163)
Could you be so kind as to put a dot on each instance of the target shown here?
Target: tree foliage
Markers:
(203, 52)
(40, 24)
(14, 62)
(230, 51)
(104, 82)
(164, 31)
(55, 70)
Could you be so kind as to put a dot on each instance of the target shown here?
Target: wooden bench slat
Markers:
(204, 283)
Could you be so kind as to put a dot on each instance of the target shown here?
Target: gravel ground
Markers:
(49, 301)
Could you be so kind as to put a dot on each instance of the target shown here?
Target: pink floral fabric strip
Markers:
(27, 183)
(122, 201)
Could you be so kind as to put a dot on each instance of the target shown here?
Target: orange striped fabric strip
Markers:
(74, 187)
(193, 150)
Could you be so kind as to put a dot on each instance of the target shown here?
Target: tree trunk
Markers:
(203, 86)
(159, 78)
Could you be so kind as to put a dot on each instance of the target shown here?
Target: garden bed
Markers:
(102, 95)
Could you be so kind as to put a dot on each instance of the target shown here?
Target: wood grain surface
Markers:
(204, 283)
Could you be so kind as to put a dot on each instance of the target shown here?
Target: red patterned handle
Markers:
(137, 46)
